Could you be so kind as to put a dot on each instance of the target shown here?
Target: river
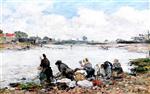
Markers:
(18, 64)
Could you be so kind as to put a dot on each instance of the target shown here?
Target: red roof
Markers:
(1, 35)
(9, 35)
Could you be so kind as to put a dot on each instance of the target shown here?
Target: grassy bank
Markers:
(141, 65)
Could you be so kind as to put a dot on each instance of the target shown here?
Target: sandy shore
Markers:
(15, 46)
(140, 47)
(135, 47)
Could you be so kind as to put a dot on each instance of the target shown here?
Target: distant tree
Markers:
(84, 38)
(119, 40)
(92, 41)
(106, 41)
(46, 38)
(20, 34)
(1, 31)
(148, 35)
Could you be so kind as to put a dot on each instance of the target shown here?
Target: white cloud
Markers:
(133, 15)
(96, 25)
(124, 23)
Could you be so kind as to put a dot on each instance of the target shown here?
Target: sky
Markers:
(71, 19)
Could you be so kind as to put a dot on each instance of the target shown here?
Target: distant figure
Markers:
(45, 69)
(28, 47)
(117, 69)
(64, 70)
(41, 45)
(104, 47)
(71, 46)
(108, 69)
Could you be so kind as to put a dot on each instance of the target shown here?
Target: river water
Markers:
(15, 65)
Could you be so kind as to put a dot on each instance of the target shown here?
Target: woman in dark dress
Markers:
(46, 69)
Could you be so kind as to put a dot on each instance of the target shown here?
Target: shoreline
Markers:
(139, 84)
(129, 47)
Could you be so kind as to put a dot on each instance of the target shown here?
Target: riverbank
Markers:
(127, 84)
(135, 47)
(139, 47)
(16, 46)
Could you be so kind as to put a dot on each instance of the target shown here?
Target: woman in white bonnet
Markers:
(87, 63)
(88, 67)
(97, 71)
(102, 71)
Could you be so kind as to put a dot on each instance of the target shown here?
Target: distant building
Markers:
(2, 38)
(46, 40)
(142, 37)
(35, 40)
(147, 37)
(139, 39)
(7, 38)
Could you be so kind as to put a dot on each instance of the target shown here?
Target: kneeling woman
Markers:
(64, 70)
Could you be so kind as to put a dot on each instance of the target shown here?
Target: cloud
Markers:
(95, 24)
(124, 23)
(23, 15)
